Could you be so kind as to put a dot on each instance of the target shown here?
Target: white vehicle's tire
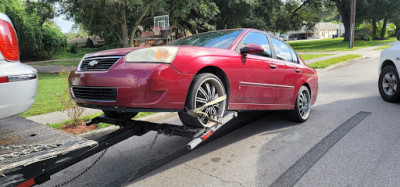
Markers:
(388, 84)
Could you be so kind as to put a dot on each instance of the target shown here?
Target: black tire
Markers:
(119, 115)
(388, 84)
(196, 90)
(302, 108)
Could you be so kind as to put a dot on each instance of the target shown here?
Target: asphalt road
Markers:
(351, 139)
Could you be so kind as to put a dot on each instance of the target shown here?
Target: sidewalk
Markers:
(367, 52)
(49, 69)
(58, 117)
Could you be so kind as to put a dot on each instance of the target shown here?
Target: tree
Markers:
(37, 36)
(193, 15)
(112, 20)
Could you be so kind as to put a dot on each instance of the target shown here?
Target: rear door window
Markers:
(282, 50)
(294, 56)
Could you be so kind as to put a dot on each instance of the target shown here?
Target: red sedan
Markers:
(237, 69)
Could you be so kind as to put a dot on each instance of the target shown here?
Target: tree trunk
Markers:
(345, 13)
(124, 27)
(137, 23)
(374, 27)
(384, 28)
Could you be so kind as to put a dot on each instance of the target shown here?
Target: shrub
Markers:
(89, 43)
(72, 48)
(69, 105)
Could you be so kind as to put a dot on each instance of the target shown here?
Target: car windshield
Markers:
(217, 39)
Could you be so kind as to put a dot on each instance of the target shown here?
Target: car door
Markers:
(260, 89)
(288, 73)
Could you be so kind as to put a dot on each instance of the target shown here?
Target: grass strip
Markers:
(332, 61)
(66, 63)
(336, 44)
(312, 56)
(383, 47)
(99, 126)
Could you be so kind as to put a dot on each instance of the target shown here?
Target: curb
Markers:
(93, 135)
(50, 61)
(339, 65)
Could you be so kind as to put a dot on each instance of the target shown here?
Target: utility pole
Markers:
(352, 23)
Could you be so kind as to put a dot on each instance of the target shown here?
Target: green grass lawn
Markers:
(67, 63)
(50, 87)
(334, 44)
(329, 62)
(383, 47)
(312, 56)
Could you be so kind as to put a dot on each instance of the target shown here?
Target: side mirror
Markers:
(398, 36)
(251, 49)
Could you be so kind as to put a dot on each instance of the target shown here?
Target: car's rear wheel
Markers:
(389, 84)
(206, 87)
(302, 108)
(119, 115)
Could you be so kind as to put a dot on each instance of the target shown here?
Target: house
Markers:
(322, 30)
(150, 38)
(81, 42)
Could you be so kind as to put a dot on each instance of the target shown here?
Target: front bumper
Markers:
(141, 87)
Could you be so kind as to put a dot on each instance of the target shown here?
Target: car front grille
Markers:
(95, 93)
(98, 63)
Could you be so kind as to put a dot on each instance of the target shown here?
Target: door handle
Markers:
(273, 66)
(297, 70)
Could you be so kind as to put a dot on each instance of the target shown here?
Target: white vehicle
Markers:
(18, 82)
(389, 67)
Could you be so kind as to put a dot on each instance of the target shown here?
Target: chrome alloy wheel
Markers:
(209, 90)
(389, 84)
(304, 104)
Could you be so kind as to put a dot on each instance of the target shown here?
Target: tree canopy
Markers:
(37, 36)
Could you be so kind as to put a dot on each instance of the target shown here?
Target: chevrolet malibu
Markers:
(210, 73)
(18, 82)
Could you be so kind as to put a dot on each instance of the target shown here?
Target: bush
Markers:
(89, 43)
(72, 48)
(36, 40)
(364, 37)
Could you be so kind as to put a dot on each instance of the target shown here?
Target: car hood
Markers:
(187, 51)
(112, 52)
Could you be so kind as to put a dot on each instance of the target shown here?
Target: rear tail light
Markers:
(8, 41)
(3, 79)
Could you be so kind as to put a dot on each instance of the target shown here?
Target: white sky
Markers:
(63, 23)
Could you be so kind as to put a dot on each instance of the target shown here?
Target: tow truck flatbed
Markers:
(30, 153)
(28, 149)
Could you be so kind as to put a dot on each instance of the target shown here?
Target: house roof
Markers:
(79, 40)
(318, 27)
(326, 26)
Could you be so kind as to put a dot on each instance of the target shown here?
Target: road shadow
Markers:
(276, 157)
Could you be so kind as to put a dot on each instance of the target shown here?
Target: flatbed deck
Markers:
(30, 152)
(28, 149)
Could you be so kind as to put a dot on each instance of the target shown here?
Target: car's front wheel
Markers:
(389, 84)
(206, 87)
(302, 108)
(119, 115)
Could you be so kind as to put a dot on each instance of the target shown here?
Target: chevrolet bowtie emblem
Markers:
(93, 63)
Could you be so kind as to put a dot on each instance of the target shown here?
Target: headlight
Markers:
(153, 54)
